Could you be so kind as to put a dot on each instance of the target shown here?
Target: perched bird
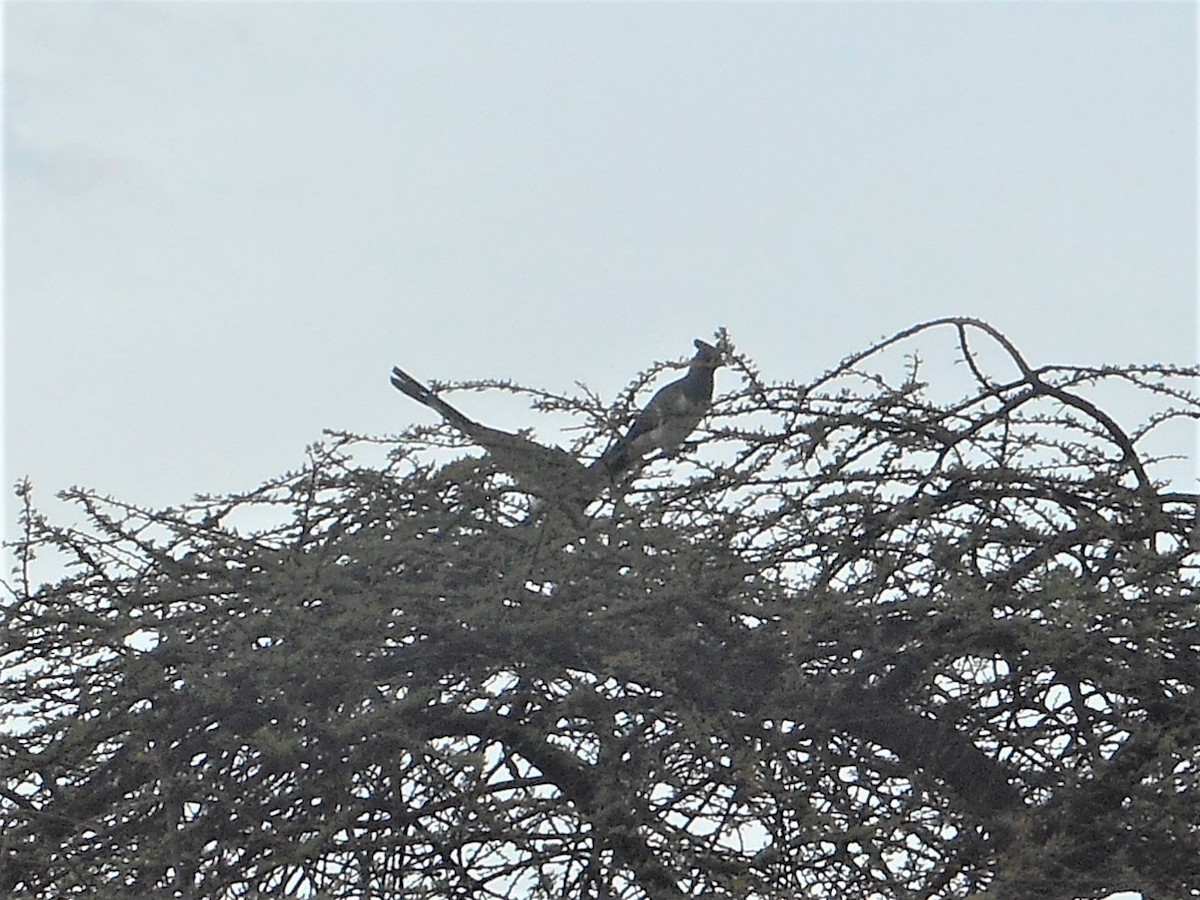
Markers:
(547, 472)
(669, 417)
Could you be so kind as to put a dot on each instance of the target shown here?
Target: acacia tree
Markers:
(870, 638)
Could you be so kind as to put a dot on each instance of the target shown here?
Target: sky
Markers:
(225, 222)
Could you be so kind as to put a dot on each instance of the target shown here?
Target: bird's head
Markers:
(707, 356)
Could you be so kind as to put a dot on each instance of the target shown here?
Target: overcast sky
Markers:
(225, 222)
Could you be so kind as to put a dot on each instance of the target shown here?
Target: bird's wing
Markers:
(660, 408)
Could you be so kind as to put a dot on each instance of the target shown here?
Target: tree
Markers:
(872, 638)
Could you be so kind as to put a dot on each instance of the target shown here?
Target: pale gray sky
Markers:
(225, 221)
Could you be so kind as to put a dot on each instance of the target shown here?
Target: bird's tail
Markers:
(615, 459)
(408, 385)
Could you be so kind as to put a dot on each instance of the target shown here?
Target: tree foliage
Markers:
(871, 637)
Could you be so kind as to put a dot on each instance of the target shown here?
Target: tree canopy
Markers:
(911, 629)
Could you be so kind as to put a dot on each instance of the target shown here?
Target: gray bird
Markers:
(547, 472)
(670, 416)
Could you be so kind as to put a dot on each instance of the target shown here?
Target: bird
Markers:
(550, 473)
(670, 416)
